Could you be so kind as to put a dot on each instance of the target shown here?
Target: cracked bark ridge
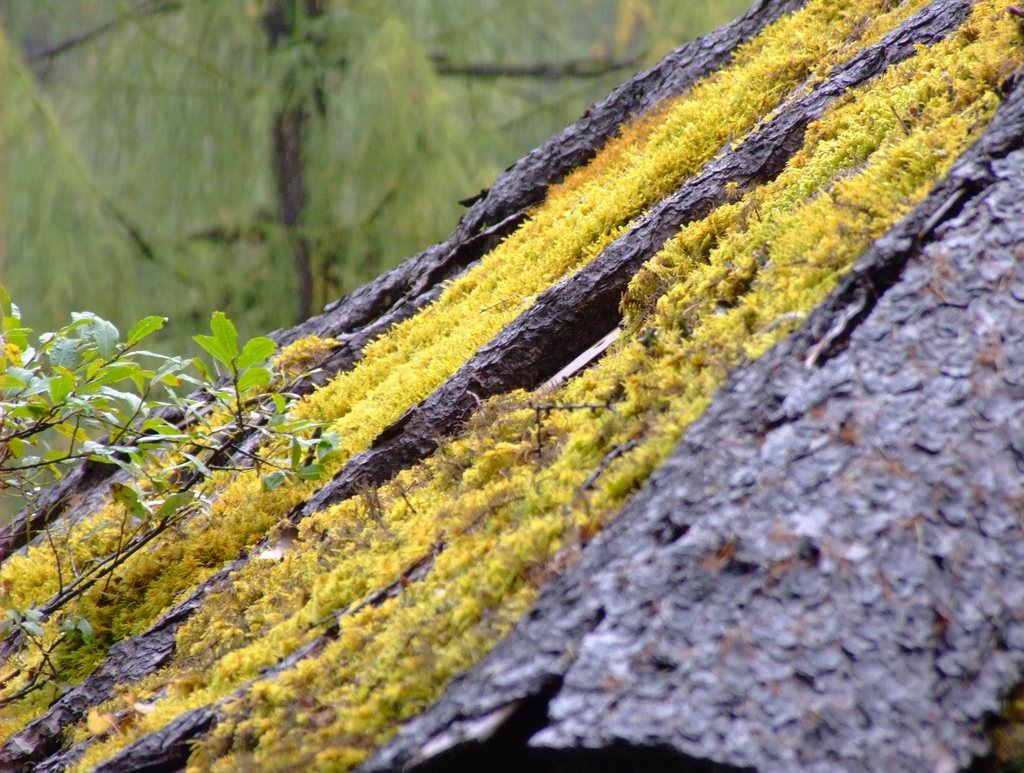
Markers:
(568, 318)
(829, 571)
(586, 304)
(398, 294)
(525, 183)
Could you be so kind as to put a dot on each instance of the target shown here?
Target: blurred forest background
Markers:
(264, 157)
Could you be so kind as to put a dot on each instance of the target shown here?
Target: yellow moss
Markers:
(498, 518)
(301, 355)
(578, 219)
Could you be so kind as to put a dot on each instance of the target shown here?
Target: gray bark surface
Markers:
(355, 320)
(523, 355)
(828, 573)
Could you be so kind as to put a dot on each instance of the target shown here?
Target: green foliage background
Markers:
(136, 169)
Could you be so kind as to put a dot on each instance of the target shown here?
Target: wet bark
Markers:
(564, 321)
(494, 213)
(354, 321)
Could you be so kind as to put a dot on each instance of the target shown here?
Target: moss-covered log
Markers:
(398, 294)
(827, 572)
(769, 233)
(365, 314)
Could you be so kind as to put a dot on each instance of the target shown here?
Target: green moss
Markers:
(501, 517)
(578, 219)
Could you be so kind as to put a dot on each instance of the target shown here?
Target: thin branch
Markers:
(146, 8)
(573, 68)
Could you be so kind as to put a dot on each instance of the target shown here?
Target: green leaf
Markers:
(33, 628)
(328, 446)
(144, 327)
(256, 350)
(63, 353)
(280, 403)
(111, 374)
(159, 425)
(14, 332)
(273, 480)
(173, 504)
(5, 302)
(225, 333)
(215, 348)
(128, 497)
(61, 386)
(198, 464)
(7, 381)
(253, 377)
(311, 472)
(133, 402)
(296, 453)
(68, 430)
(203, 371)
(85, 628)
(103, 333)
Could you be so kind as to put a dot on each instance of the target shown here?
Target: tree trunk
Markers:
(355, 320)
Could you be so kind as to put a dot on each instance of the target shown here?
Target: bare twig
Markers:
(146, 8)
(573, 68)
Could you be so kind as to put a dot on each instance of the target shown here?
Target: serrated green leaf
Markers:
(144, 327)
(256, 350)
(273, 480)
(225, 333)
(253, 377)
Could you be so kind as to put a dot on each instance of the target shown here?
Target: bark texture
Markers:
(827, 574)
(398, 294)
(695, 591)
(354, 321)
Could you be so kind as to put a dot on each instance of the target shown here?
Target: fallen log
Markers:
(827, 573)
(753, 161)
(358, 319)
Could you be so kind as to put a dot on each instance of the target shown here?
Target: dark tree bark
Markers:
(886, 630)
(525, 354)
(355, 320)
